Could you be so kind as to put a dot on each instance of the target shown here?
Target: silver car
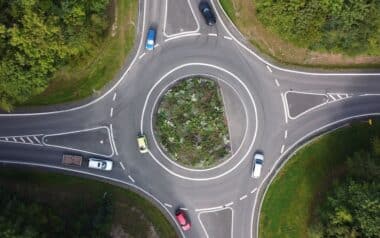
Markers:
(258, 160)
(100, 164)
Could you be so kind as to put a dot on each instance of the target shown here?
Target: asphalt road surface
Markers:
(277, 110)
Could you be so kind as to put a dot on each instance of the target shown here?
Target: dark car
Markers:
(182, 220)
(207, 13)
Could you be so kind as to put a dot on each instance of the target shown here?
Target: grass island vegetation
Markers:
(39, 204)
(191, 124)
(59, 51)
(329, 188)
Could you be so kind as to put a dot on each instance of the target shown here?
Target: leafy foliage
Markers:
(20, 217)
(352, 208)
(191, 125)
(343, 26)
(38, 36)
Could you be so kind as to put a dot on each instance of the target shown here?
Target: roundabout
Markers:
(240, 94)
(257, 111)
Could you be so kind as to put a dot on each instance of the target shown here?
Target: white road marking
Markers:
(101, 142)
(225, 172)
(183, 32)
(122, 165)
(294, 145)
(212, 34)
(308, 110)
(156, 45)
(369, 94)
(243, 197)
(142, 55)
(182, 36)
(35, 138)
(277, 83)
(112, 140)
(114, 97)
(13, 139)
(221, 209)
(332, 97)
(130, 177)
(121, 182)
(111, 112)
(282, 148)
(274, 66)
(22, 139)
(286, 134)
(253, 190)
(44, 140)
(208, 209)
(339, 96)
(30, 140)
(229, 204)
(285, 107)
(6, 139)
(168, 205)
(269, 69)
(184, 208)
(227, 37)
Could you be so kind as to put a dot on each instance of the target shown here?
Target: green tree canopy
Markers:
(344, 26)
(38, 36)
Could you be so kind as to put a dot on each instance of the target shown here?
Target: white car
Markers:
(100, 164)
(258, 160)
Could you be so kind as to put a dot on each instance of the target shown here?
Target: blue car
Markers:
(150, 39)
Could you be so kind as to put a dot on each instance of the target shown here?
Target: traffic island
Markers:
(190, 124)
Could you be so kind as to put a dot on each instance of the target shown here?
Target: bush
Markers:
(351, 27)
(190, 123)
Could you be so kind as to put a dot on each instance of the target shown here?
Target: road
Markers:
(277, 110)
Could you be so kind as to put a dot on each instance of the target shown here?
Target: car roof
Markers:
(181, 217)
(258, 156)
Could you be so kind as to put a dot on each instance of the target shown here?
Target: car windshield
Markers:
(259, 161)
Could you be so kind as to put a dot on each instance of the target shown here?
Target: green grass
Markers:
(303, 181)
(82, 78)
(229, 8)
(134, 213)
(191, 125)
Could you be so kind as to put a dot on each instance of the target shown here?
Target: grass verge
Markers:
(242, 14)
(80, 79)
(191, 124)
(303, 181)
(132, 212)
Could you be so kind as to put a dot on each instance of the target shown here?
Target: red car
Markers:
(181, 217)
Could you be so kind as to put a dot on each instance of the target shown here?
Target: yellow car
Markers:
(142, 143)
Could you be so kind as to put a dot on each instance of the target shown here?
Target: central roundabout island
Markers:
(191, 125)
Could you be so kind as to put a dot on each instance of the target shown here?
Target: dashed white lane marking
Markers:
(227, 37)
(142, 55)
(184, 208)
(253, 190)
(130, 177)
(282, 148)
(277, 83)
(208, 208)
(269, 69)
(229, 204)
(212, 34)
(111, 112)
(122, 165)
(156, 45)
(101, 142)
(168, 205)
(286, 134)
(114, 97)
(243, 197)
